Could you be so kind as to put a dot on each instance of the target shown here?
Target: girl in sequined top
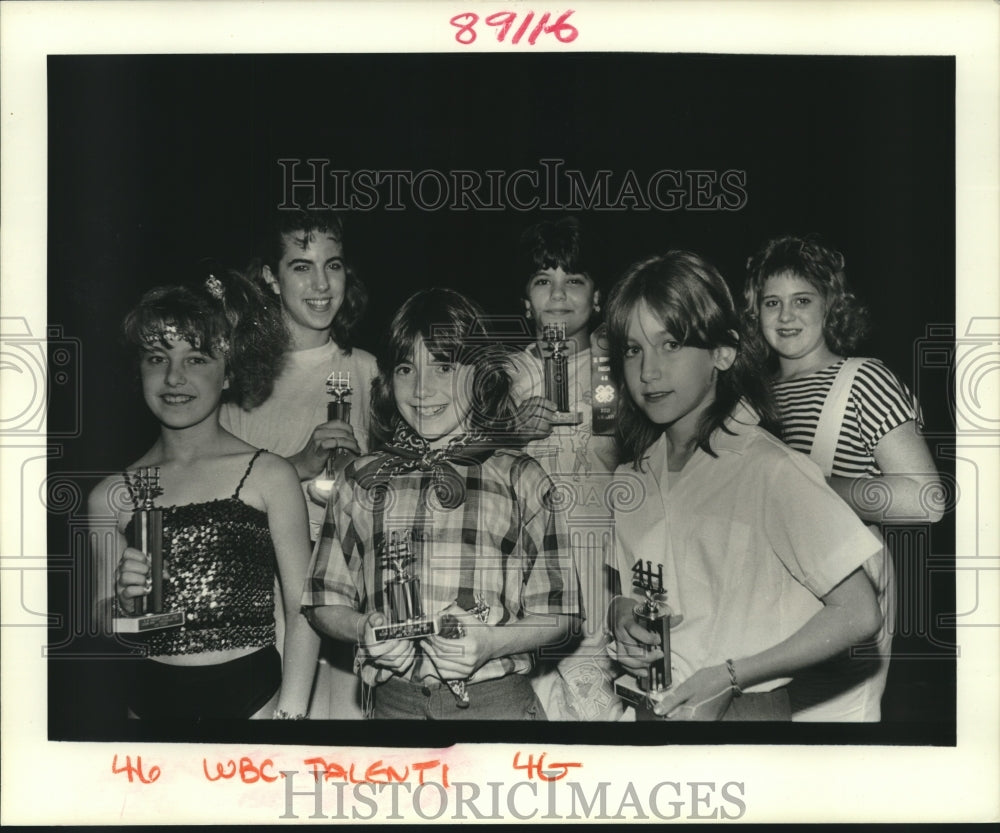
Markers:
(233, 516)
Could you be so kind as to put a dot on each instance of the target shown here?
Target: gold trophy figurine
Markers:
(403, 608)
(556, 364)
(147, 535)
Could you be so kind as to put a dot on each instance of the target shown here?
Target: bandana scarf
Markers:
(408, 451)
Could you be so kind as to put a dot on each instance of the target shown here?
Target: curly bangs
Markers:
(178, 312)
(229, 321)
(846, 321)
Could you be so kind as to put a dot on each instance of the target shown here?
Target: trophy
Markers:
(338, 386)
(603, 392)
(654, 614)
(404, 611)
(147, 535)
(557, 374)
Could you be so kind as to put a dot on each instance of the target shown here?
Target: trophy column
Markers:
(556, 364)
(147, 536)
(654, 614)
(403, 607)
(338, 386)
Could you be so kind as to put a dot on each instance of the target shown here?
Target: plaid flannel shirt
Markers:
(509, 537)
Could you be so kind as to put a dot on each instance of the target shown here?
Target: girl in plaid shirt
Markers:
(443, 529)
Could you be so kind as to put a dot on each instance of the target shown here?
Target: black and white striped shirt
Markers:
(879, 402)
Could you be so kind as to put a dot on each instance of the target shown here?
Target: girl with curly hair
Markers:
(859, 423)
(233, 516)
(305, 275)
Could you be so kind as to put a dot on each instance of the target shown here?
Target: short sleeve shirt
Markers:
(507, 545)
(879, 401)
(285, 422)
(748, 541)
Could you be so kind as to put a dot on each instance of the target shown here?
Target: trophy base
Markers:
(629, 690)
(567, 418)
(416, 629)
(149, 622)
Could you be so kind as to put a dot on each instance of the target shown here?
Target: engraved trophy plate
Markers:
(403, 607)
(556, 364)
(338, 387)
(627, 688)
(655, 615)
(147, 535)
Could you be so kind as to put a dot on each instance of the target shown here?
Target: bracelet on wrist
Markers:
(733, 682)
(281, 714)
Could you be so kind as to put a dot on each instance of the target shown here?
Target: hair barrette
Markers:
(215, 288)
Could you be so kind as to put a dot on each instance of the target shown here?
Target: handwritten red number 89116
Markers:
(503, 22)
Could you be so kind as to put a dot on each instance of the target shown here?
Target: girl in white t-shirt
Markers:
(303, 269)
(759, 558)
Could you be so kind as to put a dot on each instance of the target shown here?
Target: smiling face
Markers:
(792, 312)
(670, 383)
(182, 385)
(432, 396)
(311, 281)
(555, 296)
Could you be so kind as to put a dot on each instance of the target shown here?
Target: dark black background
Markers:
(157, 163)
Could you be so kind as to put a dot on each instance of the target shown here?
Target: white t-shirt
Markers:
(749, 541)
(285, 422)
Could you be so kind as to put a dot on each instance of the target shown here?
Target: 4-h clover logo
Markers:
(603, 394)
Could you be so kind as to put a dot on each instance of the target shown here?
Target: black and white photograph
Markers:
(406, 410)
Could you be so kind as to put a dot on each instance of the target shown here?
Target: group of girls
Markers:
(452, 486)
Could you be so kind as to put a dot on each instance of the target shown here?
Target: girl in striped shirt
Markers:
(854, 417)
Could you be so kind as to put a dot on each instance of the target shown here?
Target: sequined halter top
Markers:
(220, 561)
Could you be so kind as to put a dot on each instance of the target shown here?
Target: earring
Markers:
(527, 313)
(597, 307)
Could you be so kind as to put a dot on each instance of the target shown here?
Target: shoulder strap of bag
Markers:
(831, 418)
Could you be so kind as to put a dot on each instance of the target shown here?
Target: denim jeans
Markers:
(506, 698)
